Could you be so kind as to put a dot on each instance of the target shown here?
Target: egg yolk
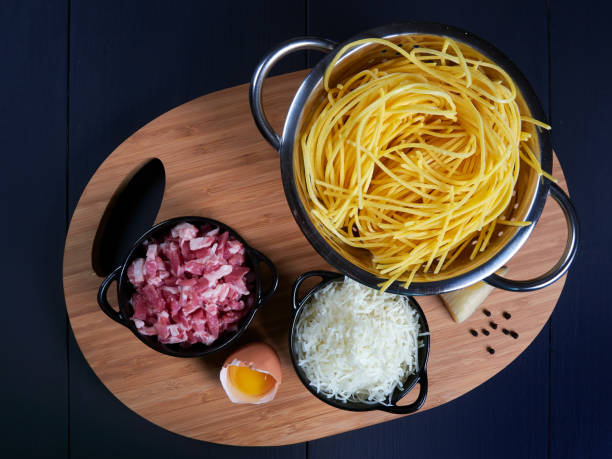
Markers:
(250, 382)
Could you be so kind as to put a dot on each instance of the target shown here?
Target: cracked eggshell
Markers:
(257, 356)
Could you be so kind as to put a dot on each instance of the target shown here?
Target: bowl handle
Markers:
(325, 275)
(555, 273)
(103, 301)
(261, 72)
(414, 406)
(265, 296)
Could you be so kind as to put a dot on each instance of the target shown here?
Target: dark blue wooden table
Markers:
(78, 77)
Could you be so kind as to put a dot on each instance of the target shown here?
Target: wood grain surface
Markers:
(217, 165)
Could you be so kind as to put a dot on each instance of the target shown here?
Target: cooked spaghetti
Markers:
(416, 156)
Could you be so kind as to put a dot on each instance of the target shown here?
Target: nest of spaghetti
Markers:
(415, 159)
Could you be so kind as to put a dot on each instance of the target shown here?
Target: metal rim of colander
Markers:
(308, 227)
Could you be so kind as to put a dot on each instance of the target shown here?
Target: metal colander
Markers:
(527, 203)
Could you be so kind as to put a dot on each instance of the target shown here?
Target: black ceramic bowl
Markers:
(125, 290)
(423, 353)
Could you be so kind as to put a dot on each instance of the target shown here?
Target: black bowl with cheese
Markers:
(419, 377)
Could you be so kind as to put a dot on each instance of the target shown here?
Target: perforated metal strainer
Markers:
(527, 204)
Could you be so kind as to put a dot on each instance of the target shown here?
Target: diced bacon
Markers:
(174, 307)
(206, 338)
(169, 289)
(233, 247)
(140, 305)
(169, 297)
(236, 306)
(237, 274)
(201, 286)
(207, 253)
(186, 251)
(217, 294)
(191, 338)
(177, 339)
(198, 316)
(190, 307)
(192, 286)
(153, 298)
(161, 326)
(233, 294)
(136, 272)
(214, 276)
(173, 330)
(233, 305)
(187, 282)
(152, 251)
(232, 316)
(150, 268)
(221, 242)
(149, 331)
(180, 318)
(239, 287)
(212, 322)
(201, 243)
(195, 267)
(212, 232)
(169, 281)
(176, 334)
(211, 308)
(158, 279)
(184, 231)
(171, 251)
(185, 300)
(236, 260)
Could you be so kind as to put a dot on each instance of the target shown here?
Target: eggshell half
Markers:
(257, 356)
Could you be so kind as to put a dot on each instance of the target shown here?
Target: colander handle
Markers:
(261, 72)
(555, 273)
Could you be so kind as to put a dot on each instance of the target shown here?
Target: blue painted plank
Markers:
(503, 418)
(581, 419)
(32, 186)
(131, 62)
(521, 36)
(508, 415)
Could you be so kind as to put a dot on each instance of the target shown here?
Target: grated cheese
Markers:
(356, 343)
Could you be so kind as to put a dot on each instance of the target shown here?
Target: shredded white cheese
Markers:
(356, 343)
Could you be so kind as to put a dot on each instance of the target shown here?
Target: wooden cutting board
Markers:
(217, 165)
